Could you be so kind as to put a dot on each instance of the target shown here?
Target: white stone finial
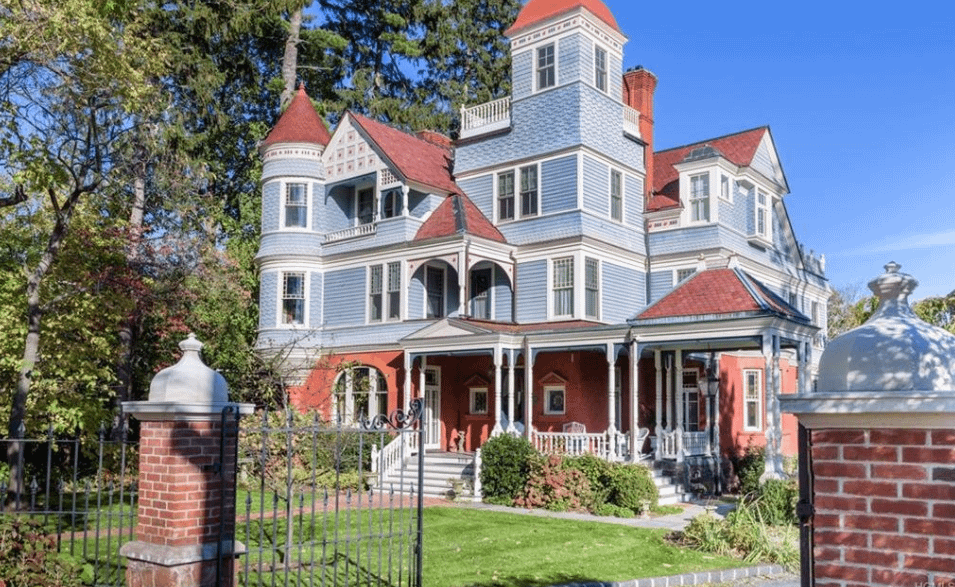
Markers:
(893, 285)
(189, 380)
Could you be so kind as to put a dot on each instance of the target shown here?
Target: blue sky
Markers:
(861, 102)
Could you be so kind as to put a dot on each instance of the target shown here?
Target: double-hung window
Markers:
(752, 400)
(382, 306)
(293, 298)
(529, 190)
(563, 280)
(434, 284)
(366, 206)
(592, 287)
(296, 205)
(700, 197)
(600, 69)
(505, 196)
(546, 67)
(762, 220)
(616, 195)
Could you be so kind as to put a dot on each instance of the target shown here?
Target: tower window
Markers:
(600, 69)
(546, 67)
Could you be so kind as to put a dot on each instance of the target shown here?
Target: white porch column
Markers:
(463, 282)
(679, 405)
(404, 199)
(498, 429)
(669, 391)
(528, 392)
(611, 391)
(511, 416)
(777, 409)
(406, 400)
(804, 386)
(635, 448)
(770, 358)
(658, 431)
(421, 376)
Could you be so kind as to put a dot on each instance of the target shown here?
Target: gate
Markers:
(804, 508)
(310, 511)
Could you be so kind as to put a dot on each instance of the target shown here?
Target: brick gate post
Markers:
(881, 443)
(185, 534)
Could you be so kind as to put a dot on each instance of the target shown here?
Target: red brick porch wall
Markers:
(885, 507)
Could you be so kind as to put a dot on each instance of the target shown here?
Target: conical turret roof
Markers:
(300, 123)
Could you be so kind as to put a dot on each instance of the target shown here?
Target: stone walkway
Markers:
(760, 576)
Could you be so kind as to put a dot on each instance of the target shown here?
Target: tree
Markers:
(466, 56)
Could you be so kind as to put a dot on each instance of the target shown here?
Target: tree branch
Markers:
(19, 196)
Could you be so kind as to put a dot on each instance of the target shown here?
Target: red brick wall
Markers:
(885, 507)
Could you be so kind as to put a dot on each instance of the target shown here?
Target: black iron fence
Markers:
(72, 504)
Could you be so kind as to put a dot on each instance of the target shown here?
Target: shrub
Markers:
(749, 468)
(776, 502)
(633, 488)
(598, 472)
(554, 486)
(609, 509)
(505, 467)
(29, 557)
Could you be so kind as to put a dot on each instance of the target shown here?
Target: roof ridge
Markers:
(709, 140)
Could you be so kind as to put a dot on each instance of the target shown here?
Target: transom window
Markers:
(592, 288)
(752, 399)
(563, 286)
(600, 68)
(616, 195)
(700, 197)
(360, 392)
(546, 67)
(296, 205)
(293, 298)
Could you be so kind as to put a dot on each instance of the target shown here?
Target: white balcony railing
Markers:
(486, 117)
(355, 231)
(631, 121)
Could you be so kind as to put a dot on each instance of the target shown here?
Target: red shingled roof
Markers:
(300, 123)
(738, 148)
(416, 159)
(458, 215)
(719, 291)
(537, 11)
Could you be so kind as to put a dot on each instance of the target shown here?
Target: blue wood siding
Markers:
(290, 244)
(271, 204)
(318, 207)
(268, 302)
(620, 235)
(558, 185)
(339, 208)
(569, 62)
(480, 190)
(685, 240)
(661, 282)
(420, 203)
(532, 291)
(623, 292)
(292, 168)
(315, 300)
(762, 161)
(633, 201)
(503, 297)
(416, 295)
(522, 74)
(596, 186)
(345, 297)
(602, 128)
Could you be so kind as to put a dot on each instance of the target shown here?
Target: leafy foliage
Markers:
(29, 557)
(633, 488)
(553, 485)
(749, 468)
(776, 502)
(505, 467)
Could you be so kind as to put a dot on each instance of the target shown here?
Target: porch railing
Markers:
(696, 443)
(390, 458)
(607, 446)
(486, 117)
(671, 442)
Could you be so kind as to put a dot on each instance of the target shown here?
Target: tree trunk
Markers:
(290, 59)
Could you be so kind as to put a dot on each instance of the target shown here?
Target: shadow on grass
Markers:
(554, 580)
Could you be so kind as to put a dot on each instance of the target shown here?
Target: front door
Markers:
(432, 407)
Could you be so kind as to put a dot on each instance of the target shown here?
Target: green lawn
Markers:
(467, 547)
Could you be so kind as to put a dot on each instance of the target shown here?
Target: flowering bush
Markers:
(554, 486)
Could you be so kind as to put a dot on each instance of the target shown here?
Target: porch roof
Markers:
(457, 215)
(464, 334)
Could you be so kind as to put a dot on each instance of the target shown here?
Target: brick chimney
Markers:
(638, 87)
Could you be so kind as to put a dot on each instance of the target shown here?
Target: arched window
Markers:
(360, 392)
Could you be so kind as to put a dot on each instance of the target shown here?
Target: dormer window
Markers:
(600, 69)
(700, 197)
(762, 222)
(546, 67)
(296, 205)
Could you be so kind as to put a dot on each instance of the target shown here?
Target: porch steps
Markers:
(439, 469)
(670, 494)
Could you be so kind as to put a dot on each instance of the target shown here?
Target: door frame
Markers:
(432, 408)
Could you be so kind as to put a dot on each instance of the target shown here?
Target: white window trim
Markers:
(283, 191)
(606, 52)
(348, 376)
(676, 274)
(548, 389)
(599, 269)
(497, 195)
(551, 290)
(473, 393)
(768, 219)
(280, 295)
(709, 197)
(623, 208)
(758, 400)
(729, 187)
(518, 204)
(556, 66)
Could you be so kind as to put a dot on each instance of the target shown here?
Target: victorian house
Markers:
(548, 273)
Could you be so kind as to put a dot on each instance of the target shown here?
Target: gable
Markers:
(349, 155)
(765, 161)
